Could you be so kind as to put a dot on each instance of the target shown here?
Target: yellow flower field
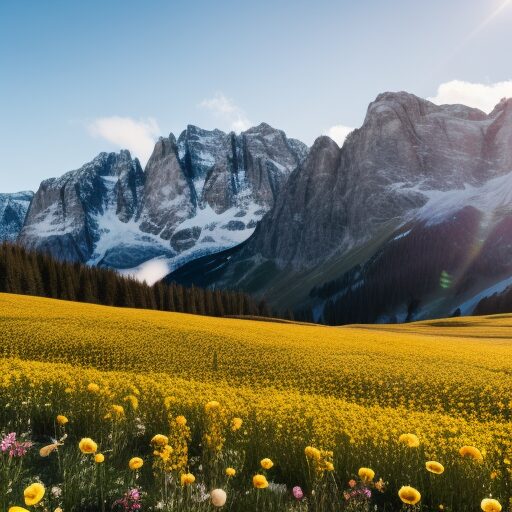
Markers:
(353, 390)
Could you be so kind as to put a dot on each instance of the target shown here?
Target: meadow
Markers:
(349, 418)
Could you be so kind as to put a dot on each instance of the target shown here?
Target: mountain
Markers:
(199, 194)
(410, 218)
(13, 209)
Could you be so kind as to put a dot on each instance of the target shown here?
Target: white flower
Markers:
(218, 497)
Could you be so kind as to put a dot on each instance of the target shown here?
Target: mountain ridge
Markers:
(296, 220)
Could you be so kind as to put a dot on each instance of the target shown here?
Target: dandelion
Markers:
(87, 446)
(118, 410)
(33, 494)
(99, 458)
(213, 404)
(312, 453)
(259, 482)
(62, 420)
(17, 509)
(409, 495)
(187, 479)
(218, 497)
(266, 463)
(366, 474)
(434, 467)
(490, 505)
(471, 452)
(159, 440)
(236, 424)
(133, 401)
(135, 463)
(409, 440)
(93, 388)
(181, 420)
(230, 472)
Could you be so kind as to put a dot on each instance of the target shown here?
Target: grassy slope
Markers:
(354, 389)
(464, 353)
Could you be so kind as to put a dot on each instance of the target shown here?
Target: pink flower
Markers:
(298, 493)
(13, 447)
(7, 441)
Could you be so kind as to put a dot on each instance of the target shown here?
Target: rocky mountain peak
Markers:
(13, 209)
(505, 104)
(201, 193)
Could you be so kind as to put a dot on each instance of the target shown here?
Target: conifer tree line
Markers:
(32, 273)
(496, 303)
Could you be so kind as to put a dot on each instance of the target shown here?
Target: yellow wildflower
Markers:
(135, 463)
(62, 420)
(490, 505)
(87, 446)
(366, 474)
(409, 440)
(93, 388)
(409, 495)
(259, 482)
(33, 494)
(266, 463)
(434, 467)
(236, 424)
(159, 440)
(187, 479)
(471, 452)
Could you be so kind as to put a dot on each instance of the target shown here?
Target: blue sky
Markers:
(78, 78)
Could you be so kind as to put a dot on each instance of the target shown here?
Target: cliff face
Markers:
(420, 195)
(200, 194)
(13, 210)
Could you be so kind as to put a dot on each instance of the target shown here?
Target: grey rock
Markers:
(13, 210)
(64, 215)
(406, 149)
(110, 212)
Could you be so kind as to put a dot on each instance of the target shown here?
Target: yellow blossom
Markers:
(187, 479)
(135, 463)
(434, 467)
(490, 505)
(366, 474)
(87, 446)
(259, 482)
(471, 452)
(62, 420)
(266, 463)
(409, 495)
(236, 424)
(159, 440)
(410, 440)
(33, 494)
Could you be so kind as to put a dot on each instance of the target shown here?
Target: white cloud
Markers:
(136, 135)
(338, 133)
(150, 271)
(227, 111)
(482, 96)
